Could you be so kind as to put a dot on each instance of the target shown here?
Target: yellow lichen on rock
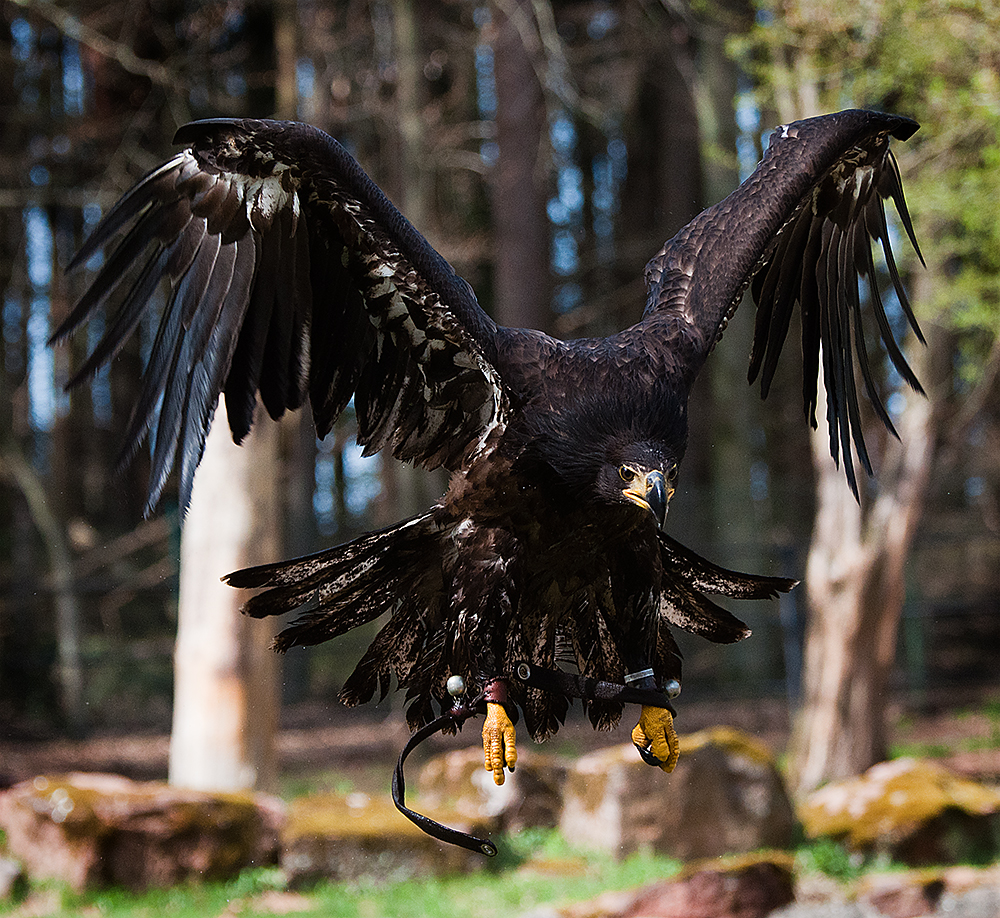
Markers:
(730, 739)
(353, 815)
(892, 798)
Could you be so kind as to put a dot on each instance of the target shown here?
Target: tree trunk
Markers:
(69, 666)
(225, 676)
(521, 229)
(855, 588)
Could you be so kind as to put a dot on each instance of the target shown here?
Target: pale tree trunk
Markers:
(855, 583)
(227, 681)
(225, 676)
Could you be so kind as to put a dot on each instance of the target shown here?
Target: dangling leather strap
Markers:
(453, 718)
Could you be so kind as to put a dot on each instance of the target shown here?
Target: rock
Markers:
(746, 887)
(951, 892)
(742, 888)
(94, 830)
(901, 895)
(350, 836)
(909, 810)
(530, 797)
(725, 796)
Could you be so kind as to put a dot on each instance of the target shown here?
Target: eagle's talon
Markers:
(499, 738)
(655, 738)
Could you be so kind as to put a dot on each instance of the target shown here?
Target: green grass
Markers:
(824, 855)
(925, 749)
(534, 868)
(322, 782)
(920, 750)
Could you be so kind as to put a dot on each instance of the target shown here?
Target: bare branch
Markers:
(75, 28)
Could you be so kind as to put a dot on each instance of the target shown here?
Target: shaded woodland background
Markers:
(547, 149)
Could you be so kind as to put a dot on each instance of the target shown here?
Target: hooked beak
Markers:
(653, 494)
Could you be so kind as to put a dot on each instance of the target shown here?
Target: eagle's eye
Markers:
(672, 472)
(626, 473)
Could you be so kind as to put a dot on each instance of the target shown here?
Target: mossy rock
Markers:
(911, 810)
(350, 836)
(730, 739)
(725, 796)
(749, 886)
(93, 830)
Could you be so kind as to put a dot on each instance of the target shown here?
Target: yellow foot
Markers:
(655, 731)
(498, 741)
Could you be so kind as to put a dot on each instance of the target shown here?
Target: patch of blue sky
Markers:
(73, 84)
(486, 89)
(565, 255)
(748, 124)
(305, 87)
(601, 23)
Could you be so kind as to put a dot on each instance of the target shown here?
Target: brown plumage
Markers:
(291, 277)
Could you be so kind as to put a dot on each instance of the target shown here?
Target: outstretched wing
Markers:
(289, 273)
(800, 230)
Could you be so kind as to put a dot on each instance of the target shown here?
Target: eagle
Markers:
(288, 277)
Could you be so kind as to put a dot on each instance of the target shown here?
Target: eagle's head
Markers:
(612, 452)
(640, 473)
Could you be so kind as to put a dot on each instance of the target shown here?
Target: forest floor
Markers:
(324, 748)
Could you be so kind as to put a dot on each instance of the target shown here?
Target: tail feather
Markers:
(391, 571)
(680, 563)
(325, 566)
(342, 587)
(686, 576)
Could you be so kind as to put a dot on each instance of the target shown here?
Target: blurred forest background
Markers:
(547, 148)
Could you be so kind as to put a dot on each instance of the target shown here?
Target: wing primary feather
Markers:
(114, 269)
(301, 307)
(213, 201)
(342, 333)
(885, 331)
(127, 317)
(154, 380)
(891, 185)
(248, 357)
(810, 320)
(850, 315)
(180, 305)
(864, 252)
(125, 210)
(274, 381)
(890, 262)
(206, 382)
(833, 365)
(171, 408)
(840, 418)
(165, 440)
(788, 269)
